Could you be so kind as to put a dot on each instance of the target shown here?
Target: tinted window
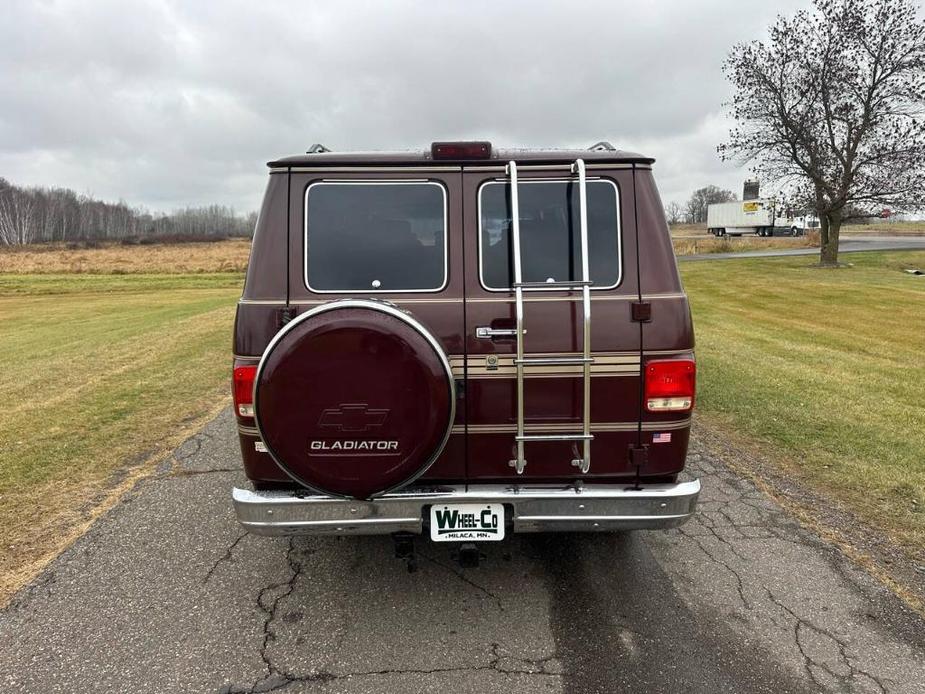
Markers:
(375, 236)
(550, 234)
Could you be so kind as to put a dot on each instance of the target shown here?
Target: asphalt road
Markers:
(846, 244)
(165, 594)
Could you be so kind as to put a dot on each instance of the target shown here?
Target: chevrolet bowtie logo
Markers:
(354, 417)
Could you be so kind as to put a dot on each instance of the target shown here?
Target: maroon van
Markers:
(463, 341)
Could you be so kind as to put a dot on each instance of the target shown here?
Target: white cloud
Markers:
(168, 103)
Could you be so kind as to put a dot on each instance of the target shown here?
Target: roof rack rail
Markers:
(318, 148)
(602, 146)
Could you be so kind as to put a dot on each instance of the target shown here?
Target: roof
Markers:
(412, 157)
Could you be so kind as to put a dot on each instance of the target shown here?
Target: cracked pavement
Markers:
(166, 593)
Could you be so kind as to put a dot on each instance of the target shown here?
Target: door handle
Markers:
(486, 333)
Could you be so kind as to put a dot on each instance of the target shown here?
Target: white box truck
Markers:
(741, 217)
(755, 217)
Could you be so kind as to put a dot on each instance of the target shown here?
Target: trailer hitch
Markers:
(468, 555)
(404, 549)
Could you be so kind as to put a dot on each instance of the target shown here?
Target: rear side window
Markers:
(368, 237)
(550, 234)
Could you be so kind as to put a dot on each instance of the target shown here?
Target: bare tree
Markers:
(674, 212)
(704, 197)
(832, 105)
(18, 222)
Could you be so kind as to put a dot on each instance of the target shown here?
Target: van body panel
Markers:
(553, 398)
(266, 269)
(482, 437)
(669, 333)
(658, 269)
(441, 312)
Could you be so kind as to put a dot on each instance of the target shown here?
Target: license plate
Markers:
(466, 522)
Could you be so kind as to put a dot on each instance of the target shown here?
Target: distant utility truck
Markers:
(755, 217)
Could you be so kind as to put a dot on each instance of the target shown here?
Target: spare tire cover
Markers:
(354, 398)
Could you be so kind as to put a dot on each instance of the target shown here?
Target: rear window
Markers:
(550, 233)
(368, 237)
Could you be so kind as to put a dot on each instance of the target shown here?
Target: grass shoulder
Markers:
(99, 370)
(824, 369)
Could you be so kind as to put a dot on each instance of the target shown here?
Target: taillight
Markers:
(669, 385)
(244, 390)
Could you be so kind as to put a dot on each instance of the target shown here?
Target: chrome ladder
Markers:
(584, 462)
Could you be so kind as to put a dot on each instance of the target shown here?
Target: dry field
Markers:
(885, 227)
(689, 230)
(693, 239)
(114, 258)
(231, 255)
(710, 244)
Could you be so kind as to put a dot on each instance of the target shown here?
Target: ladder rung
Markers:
(576, 284)
(554, 437)
(554, 361)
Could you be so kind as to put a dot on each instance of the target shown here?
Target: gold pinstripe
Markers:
(600, 427)
(606, 364)
(473, 300)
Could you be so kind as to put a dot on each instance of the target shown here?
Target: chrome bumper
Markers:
(534, 508)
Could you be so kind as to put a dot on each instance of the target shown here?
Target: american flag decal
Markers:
(662, 437)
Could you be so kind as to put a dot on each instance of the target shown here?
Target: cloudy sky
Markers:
(166, 104)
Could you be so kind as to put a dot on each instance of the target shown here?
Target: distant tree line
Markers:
(37, 215)
(702, 198)
(695, 210)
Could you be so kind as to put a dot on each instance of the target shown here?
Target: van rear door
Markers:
(552, 394)
(395, 235)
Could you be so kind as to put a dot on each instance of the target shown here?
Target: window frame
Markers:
(507, 181)
(378, 182)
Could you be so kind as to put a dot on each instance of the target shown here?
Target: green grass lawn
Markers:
(97, 371)
(827, 368)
